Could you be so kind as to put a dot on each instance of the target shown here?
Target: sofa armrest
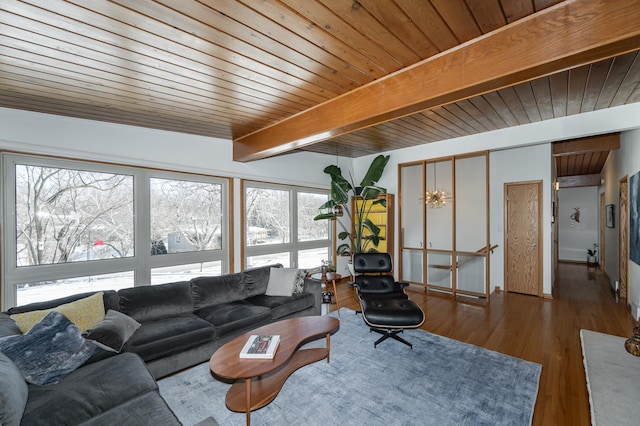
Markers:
(314, 287)
(8, 327)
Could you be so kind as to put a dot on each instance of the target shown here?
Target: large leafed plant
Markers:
(364, 235)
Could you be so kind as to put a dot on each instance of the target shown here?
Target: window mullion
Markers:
(142, 230)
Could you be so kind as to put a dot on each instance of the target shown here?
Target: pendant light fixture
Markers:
(436, 198)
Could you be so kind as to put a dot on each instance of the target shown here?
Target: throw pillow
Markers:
(48, 352)
(298, 286)
(13, 393)
(281, 281)
(84, 313)
(114, 330)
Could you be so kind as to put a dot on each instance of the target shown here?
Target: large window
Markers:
(278, 226)
(69, 215)
(185, 216)
(72, 226)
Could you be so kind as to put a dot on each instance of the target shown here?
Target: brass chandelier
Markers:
(436, 198)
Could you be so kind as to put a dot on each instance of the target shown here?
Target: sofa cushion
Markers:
(166, 336)
(209, 291)
(150, 302)
(282, 306)
(52, 349)
(234, 316)
(13, 392)
(114, 331)
(89, 391)
(84, 313)
(256, 279)
(8, 327)
(144, 410)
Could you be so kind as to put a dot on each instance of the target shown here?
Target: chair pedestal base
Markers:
(389, 333)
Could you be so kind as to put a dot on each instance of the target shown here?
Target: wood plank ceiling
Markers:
(225, 68)
(579, 162)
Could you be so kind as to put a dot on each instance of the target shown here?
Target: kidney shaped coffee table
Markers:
(263, 378)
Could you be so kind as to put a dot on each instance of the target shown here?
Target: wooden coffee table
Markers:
(263, 378)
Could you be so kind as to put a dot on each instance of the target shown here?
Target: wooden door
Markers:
(624, 236)
(523, 238)
(603, 219)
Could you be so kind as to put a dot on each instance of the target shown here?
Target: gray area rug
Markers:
(613, 379)
(439, 382)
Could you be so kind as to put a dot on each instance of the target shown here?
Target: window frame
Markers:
(141, 263)
(293, 247)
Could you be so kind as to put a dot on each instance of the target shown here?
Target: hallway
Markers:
(540, 330)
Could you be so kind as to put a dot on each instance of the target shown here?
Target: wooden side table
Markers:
(325, 279)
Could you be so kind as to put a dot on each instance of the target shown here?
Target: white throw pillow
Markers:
(281, 281)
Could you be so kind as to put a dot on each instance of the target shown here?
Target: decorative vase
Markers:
(632, 345)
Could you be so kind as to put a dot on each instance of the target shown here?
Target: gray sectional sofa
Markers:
(181, 325)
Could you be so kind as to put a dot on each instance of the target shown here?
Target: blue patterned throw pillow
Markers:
(48, 352)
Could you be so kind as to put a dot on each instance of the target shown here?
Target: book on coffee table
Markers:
(260, 346)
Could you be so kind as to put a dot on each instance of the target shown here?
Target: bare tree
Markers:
(191, 209)
(307, 209)
(58, 209)
(269, 209)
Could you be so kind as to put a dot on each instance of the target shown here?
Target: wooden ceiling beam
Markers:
(586, 145)
(564, 36)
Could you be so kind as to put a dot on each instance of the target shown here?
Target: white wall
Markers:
(623, 162)
(576, 236)
(531, 163)
(611, 235)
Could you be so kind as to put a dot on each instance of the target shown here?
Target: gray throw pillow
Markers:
(114, 330)
(13, 393)
(48, 352)
(282, 281)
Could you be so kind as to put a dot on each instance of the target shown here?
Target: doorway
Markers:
(523, 237)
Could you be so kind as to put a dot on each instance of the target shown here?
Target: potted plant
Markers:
(591, 254)
(364, 235)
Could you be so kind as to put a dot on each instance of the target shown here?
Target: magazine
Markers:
(260, 346)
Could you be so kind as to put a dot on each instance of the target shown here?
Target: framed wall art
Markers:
(634, 218)
(610, 216)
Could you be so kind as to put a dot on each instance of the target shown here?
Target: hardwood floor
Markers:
(539, 330)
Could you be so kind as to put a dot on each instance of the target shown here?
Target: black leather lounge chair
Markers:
(386, 308)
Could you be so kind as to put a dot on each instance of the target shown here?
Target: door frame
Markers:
(601, 230)
(539, 237)
(623, 243)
